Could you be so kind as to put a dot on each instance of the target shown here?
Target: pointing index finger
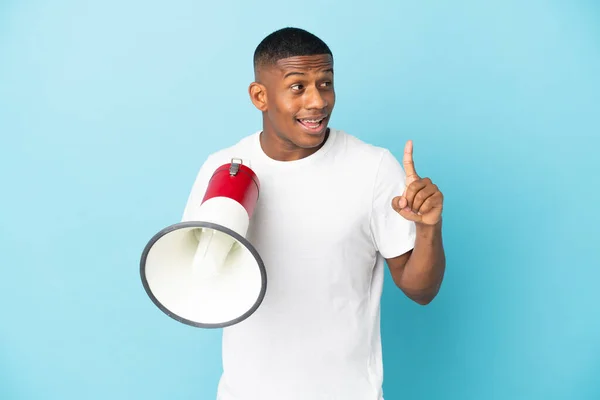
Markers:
(409, 165)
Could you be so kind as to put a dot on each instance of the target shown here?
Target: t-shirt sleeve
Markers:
(198, 190)
(392, 234)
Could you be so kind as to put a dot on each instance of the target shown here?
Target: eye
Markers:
(327, 84)
(296, 87)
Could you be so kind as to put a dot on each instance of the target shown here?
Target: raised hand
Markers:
(422, 201)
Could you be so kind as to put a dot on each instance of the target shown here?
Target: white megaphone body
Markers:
(204, 272)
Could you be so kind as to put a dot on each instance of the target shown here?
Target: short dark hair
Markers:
(288, 42)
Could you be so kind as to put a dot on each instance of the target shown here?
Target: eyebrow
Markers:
(292, 73)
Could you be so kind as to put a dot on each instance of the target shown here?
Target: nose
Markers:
(314, 99)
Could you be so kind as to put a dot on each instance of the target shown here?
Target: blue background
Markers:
(108, 108)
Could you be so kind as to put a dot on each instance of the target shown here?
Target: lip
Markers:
(313, 132)
(314, 117)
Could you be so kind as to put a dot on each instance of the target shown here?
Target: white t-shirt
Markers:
(322, 226)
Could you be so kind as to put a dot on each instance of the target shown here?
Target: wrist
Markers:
(426, 230)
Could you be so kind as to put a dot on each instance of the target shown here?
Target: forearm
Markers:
(423, 273)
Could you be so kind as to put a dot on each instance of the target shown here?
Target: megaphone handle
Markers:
(235, 166)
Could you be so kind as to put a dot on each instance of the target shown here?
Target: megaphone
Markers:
(203, 272)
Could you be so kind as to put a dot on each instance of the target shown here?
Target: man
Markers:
(331, 210)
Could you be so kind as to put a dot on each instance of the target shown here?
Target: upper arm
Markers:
(399, 262)
(393, 235)
(198, 189)
(397, 265)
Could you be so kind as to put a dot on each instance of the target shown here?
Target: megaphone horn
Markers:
(204, 272)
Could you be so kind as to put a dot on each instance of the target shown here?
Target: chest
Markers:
(312, 212)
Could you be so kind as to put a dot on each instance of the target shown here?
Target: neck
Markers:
(281, 149)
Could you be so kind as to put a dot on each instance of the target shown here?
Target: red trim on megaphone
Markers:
(237, 182)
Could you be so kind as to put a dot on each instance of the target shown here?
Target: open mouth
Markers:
(312, 125)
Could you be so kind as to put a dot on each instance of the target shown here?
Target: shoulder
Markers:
(241, 149)
(213, 161)
(376, 164)
(361, 151)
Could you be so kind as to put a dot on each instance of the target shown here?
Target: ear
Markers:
(258, 95)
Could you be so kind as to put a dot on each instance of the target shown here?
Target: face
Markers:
(296, 97)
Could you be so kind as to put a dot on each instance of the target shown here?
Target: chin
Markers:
(310, 138)
(310, 141)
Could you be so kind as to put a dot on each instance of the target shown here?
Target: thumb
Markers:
(408, 214)
(399, 202)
